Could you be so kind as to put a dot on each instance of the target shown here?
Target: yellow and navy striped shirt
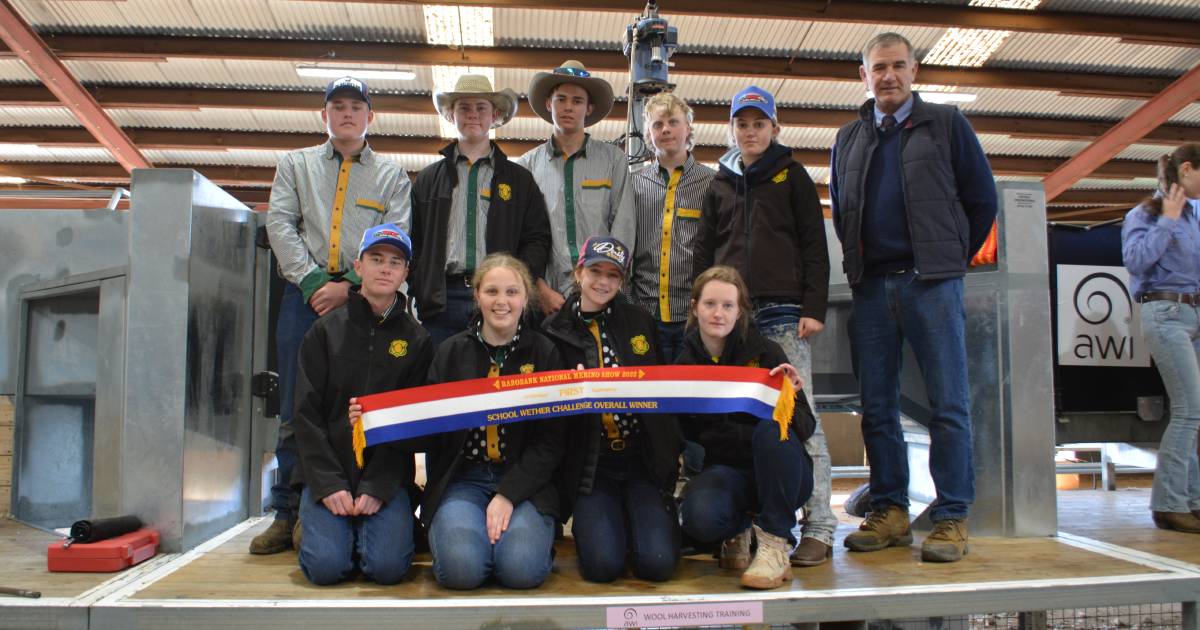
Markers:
(667, 205)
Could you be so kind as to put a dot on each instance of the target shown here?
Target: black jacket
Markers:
(726, 438)
(516, 223)
(767, 223)
(949, 215)
(660, 442)
(351, 352)
(533, 449)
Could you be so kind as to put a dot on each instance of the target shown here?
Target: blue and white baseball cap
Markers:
(598, 249)
(351, 86)
(386, 234)
(755, 97)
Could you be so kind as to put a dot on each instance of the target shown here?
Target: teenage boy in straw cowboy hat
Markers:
(585, 182)
(322, 201)
(469, 204)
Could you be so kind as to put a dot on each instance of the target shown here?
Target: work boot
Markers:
(947, 542)
(297, 536)
(276, 538)
(811, 552)
(735, 552)
(1178, 521)
(882, 529)
(770, 567)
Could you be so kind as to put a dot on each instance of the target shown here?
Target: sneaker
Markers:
(770, 567)
(1178, 521)
(735, 552)
(811, 552)
(947, 542)
(881, 529)
(277, 538)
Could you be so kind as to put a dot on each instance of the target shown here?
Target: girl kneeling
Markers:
(489, 503)
(620, 469)
(747, 469)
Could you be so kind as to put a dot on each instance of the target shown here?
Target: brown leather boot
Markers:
(811, 552)
(277, 538)
(735, 552)
(947, 542)
(882, 529)
(297, 536)
(1178, 521)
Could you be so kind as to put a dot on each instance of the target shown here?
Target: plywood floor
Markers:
(23, 564)
(228, 572)
(1122, 517)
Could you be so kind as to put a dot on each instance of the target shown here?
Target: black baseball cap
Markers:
(351, 86)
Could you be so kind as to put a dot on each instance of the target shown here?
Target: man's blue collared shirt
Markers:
(901, 114)
(1162, 254)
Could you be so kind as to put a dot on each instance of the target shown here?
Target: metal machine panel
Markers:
(188, 346)
(37, 246)
(1009, 365)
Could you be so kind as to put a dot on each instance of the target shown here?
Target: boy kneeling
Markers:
(356, 518)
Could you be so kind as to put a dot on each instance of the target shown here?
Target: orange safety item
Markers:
(104, 556)
(986, 254)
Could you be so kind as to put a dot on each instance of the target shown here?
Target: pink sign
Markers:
(684, 615)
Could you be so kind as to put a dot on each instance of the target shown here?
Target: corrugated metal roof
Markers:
(397, 22)
(1180, 9)
(15, 71)
(1092, 54)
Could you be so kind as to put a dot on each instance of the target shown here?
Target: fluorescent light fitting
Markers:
(359, 73)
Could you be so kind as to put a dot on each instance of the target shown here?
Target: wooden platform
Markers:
(220, 585)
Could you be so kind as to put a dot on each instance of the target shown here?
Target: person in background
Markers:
(1160, 243)
(322, 200)
(585, 181)
(762, 216)
(471, 203)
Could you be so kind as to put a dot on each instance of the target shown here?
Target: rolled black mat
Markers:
(89, 531)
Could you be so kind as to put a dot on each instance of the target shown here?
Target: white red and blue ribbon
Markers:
(420, 411)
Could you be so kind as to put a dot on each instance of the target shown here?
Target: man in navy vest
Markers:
(913, 200)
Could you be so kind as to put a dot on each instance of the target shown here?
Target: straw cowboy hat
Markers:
(477, 86)
(600, 93)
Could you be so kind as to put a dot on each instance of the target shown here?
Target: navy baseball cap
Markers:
(755, 97)
(351, 86)
(386, 234)
(598, 249)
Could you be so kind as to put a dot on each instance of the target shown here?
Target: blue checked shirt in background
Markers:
(1162, 254)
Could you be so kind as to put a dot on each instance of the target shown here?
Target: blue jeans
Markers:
(1172, 333)
(717, 503)
(625, 512)
(332, 547)
(463, 558)
(887, 310)
(779, 323)
(460, 306)
(295, 318)
(670, 340)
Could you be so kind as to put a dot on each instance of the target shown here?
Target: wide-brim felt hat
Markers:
(477, 86)
(600, 93)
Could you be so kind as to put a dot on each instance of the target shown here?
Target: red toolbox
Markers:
(109, 555)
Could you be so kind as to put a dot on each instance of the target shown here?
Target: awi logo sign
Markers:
(1098, 321)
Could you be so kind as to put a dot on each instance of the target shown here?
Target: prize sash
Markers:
(678, 389)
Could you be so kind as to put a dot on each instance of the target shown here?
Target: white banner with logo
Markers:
(1098, 321)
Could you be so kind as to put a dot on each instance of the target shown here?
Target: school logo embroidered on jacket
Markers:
(780, 177)
(505, 191)
(398, 348)
(640, 345)
(527, 368)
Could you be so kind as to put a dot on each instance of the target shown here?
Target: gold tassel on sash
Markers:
(360, 442)
(785, 407)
